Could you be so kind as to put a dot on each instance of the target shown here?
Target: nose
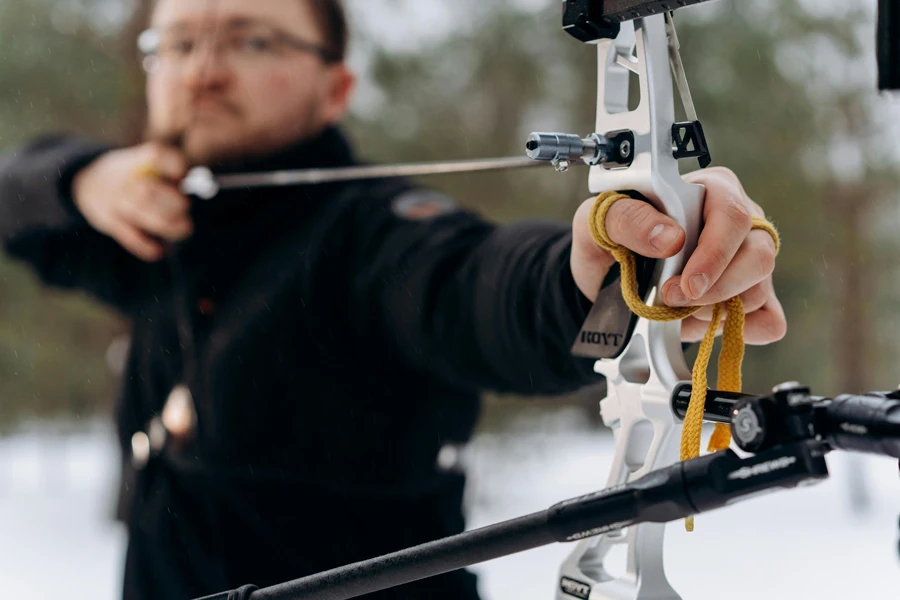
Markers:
(206, 69)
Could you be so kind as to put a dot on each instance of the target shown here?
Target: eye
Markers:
(180, 46)
(258, 44)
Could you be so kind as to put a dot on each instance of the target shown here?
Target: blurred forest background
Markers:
(785, 88)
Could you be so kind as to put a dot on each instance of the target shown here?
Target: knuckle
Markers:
(156, 220)
(181, 224)
(143, 193)
(755, 298)
(147, 254)
(767, 263)
(765, 257)
(633, 216)
(130, 243)
(727, 174)
(178, 211)
(181, 202)
(176, 163)
(716, 293)
(737, 213)
(718, 259)
(138, 248)
(155, 152)
(716, 176)
(756, 208)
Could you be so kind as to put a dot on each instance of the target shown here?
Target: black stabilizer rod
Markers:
(419, 562)
(680, 490)
(716, 409)
(869, 423)
(856, 422)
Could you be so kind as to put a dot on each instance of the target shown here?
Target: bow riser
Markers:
(641, 379)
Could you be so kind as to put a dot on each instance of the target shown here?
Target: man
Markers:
(331, 339)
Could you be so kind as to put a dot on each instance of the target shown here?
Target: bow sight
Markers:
(592, 20)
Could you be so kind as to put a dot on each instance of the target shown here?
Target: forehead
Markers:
(291, 15)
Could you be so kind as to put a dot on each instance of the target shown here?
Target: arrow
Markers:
(201, 182)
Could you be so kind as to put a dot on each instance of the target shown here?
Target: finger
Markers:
(717, 176)
(157, 210)
(726, 223)
(753, 299)
(763, 326)
(583, 243)
(164, 162)
(589, 262)
(693, 329)
(766, 325)
(164, 199)
(173, 230)
(138, 243)
(158, 225)
(753, 263)
(643, 229)
(178, 414)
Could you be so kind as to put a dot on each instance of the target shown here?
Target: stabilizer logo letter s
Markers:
(574, 588)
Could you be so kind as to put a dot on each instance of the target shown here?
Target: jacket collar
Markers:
(239, 207)
(328, 148)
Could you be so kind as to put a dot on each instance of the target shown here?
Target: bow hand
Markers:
(730, 258)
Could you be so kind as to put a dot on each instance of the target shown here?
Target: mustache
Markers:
(173, 139)
(194, 103)
(177, 138)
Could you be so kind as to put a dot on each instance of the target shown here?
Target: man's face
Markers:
(230, 80)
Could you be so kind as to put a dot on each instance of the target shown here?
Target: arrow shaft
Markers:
(317, 176)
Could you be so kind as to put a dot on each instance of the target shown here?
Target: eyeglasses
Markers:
(241, 43)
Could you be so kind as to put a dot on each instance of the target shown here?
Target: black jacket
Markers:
(339, 344)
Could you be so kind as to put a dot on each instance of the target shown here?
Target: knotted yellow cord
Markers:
(732, 354)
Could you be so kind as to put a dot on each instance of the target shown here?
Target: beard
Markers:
(208, 147)
(211, 141)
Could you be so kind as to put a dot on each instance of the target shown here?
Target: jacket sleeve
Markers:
(40, 225)
(479, 306)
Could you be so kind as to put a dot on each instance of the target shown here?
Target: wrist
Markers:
(74, 185)
(76, 189)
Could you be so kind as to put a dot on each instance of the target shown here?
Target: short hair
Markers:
(331, 19)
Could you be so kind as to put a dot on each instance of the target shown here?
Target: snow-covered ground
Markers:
(57, 539)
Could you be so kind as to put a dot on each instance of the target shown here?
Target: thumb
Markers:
(643, 229)
(161, 162)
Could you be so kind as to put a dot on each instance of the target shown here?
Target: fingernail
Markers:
(663, 236)
(676, 297)
(699, 284)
